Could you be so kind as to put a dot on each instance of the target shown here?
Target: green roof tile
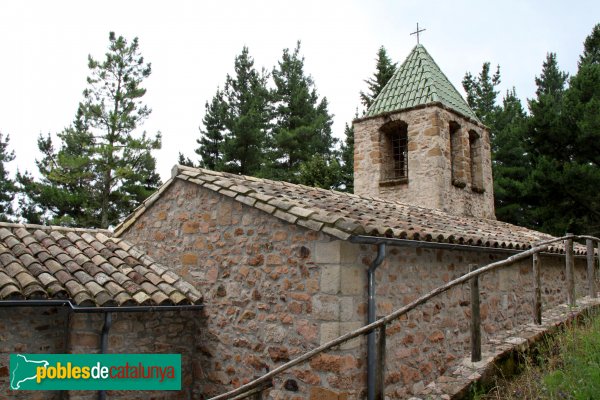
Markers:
(419, 81)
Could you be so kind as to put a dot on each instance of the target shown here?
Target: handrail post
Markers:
(570, 273)
(591, 268)
(595, 267)
(380, 381)
(537, 290)
(475, 317)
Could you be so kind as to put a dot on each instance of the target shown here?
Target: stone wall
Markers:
(51, 330)
(431, 180)
(30, 330)
(140, 332)
(270, 292)
(435, 336)
(274, 291)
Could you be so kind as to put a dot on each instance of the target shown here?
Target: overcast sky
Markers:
(192, 45)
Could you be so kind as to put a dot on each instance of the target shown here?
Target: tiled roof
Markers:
(87, 267)
(343, 215)
(419, 81)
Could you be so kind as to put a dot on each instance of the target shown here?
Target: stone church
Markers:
(281, 268)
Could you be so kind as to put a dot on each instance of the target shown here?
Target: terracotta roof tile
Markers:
(10, 292)
(161, 298)
(142, 298)
(123, 299)
(343, 215)
(86, 266)
(5, 280)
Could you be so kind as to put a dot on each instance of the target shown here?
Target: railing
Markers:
(255, 387)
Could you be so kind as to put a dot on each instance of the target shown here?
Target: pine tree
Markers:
(511, 162)
(481, 95)
(321, 170)
(248, 118)
(580, 167)
(582, 103)
(384, 70)
(102, 170)
(564, 135)
(183, 160)
(65, 194)
(591, 48)
(125, 169)
(302, 123)
(347, 157)
(547, 142)
(211, 139)
(547, 133)
(7, 185)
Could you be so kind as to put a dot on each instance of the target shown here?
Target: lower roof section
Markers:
(85, 268)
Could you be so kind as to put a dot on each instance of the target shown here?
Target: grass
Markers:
(565, 366)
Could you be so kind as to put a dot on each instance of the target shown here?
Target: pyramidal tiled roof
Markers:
(419, 81)
(85, 266)
(343, 215)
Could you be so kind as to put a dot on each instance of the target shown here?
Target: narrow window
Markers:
(394, 153)
(457, 158)
(476, 162)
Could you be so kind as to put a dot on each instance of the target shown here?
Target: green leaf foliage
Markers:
(347, 157)
(384, 69)
(247, 119)
(481, 93)
(102, 169)
(210, 143)
(302, 124)
(546, 164)
(322, 171)
(251, 130)
(7, 185)
(547, 133)
(510, 162)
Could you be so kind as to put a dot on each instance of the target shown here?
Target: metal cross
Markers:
(417, 32)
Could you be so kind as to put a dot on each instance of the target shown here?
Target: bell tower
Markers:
(420, 143)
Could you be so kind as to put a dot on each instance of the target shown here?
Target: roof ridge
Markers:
(343, 215)
(12, 225)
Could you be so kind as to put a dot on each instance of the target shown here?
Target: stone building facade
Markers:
(448, 163)
(420, 143)
(281, 274)
(283, 267)
(57, 285)
(52, 330)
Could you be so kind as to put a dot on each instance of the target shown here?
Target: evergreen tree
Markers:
(481, 95)
(511, 163)
(211, 139)
(248, 118)
(582, 103)
(564, 135)
(321, 170)
(302, 123)
(384, 70)
(547, 141)
(591, 48)
(183, 160)
(547, 133)
(102, 170)
(347, 157)
(7, 185)
(65, 194)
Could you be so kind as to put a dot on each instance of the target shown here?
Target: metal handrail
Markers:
(540, 247)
